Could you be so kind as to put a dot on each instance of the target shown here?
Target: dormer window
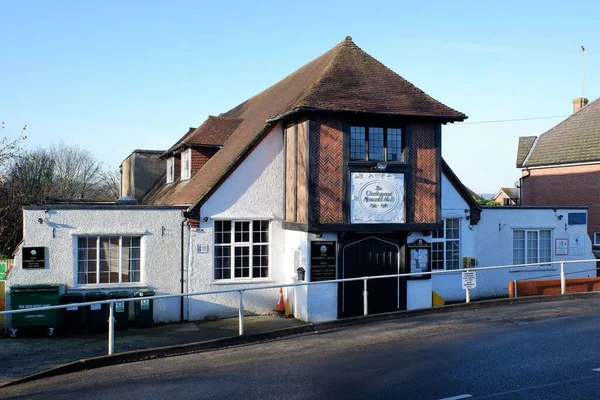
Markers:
(368, 143)
(170, 169)
(186, 164)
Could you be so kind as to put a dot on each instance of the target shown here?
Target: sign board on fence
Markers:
(469, 279)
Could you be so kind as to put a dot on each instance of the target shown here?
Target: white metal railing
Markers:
(365, 279)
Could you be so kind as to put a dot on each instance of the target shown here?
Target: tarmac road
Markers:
(491, 354)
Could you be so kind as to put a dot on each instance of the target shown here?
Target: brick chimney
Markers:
(579, 103)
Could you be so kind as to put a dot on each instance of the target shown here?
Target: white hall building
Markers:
(335, 170)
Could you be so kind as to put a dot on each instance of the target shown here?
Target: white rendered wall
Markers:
(492, 239)
(160, 254)
(253, 191)
(449, 286)
(494, 246)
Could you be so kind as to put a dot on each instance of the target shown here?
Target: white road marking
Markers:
(459, 397)
(596, 370)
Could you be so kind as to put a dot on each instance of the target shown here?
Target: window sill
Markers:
(108, 286)
(539, 269)
(225, 282)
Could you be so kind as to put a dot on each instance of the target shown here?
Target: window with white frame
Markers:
(597, 238)
(186, 164)
(532, 246)
(108, 259)
(170, 169)
(241, 249)
(445, 246)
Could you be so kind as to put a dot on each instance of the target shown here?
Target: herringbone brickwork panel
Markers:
(329, 172)
(302, 191)
(423, 156)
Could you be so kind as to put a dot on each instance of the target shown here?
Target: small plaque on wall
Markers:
(34, 257)
(323, 260)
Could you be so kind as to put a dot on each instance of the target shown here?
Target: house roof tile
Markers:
(574, 140)
(343, 79)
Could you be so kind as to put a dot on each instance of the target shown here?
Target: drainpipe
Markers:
(186, 215)
(521, 185)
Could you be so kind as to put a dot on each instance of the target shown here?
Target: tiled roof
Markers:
(213, 132)
(343, 79)
(525, 143)
(511, 192)
(574, 140)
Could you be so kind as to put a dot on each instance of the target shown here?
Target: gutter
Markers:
(441, 118)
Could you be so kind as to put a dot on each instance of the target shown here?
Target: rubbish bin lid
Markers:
(72, 296)
(34, 288)
(95, 295)
(119, 295)
(143, 293)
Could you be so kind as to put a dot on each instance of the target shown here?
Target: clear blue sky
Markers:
(114, 76)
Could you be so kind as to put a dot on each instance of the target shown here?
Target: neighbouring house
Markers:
(561, 167)
(334, 171)
(508, 196)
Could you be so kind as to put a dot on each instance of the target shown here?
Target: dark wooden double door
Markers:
(372, 255)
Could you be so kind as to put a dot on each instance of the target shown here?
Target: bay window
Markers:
(241, 249)
(108, 259)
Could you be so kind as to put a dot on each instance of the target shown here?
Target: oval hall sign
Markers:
(377, 198)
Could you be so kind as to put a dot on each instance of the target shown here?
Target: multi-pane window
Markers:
(170, 169)
(108, 259)
(597, 238)
(375, 144)
(241, 249)
(532, 246)
(186, 164)
(357, 142)
(445, 246)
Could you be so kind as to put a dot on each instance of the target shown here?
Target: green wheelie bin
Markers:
(72, 317)
(32, 296)
(96, 314)
(144, 309)
(120, 310)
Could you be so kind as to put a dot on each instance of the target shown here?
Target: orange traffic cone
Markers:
(280, 307)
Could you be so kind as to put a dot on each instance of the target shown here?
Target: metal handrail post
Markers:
(563, 283)
(111, 329)
(241, 313)
(467, 296)
(365, 298)
(515, 282)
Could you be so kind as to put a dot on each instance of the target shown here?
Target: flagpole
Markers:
(582, 74)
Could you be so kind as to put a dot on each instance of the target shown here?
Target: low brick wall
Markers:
(552, 287)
